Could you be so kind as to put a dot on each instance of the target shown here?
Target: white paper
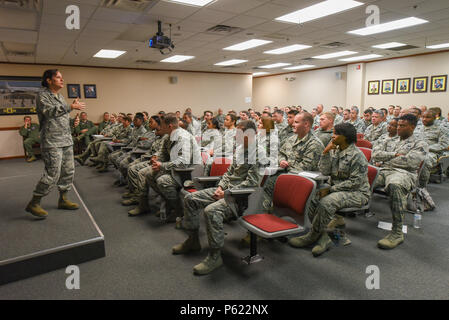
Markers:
(97, 136)
(388, 226)
(309, 174)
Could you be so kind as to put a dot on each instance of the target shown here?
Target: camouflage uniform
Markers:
(56, 143)
(124, 135)
(338, 119)
(348, 170)
(280, 126)
(366, 124)
(30, 137)
(86, 136)
(384, 144)
(358, 124)
(284, 134)
(216, 212)
(165, 181)
(301, 154)
(398, 174)
(372, 133)
(103, 125)
(324, 136)
(117, 156)
(437, 139)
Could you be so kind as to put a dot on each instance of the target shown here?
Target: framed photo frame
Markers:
(90, 91)
(388, 86)
(438, 83)
(373, 87)
(403, 85)
(420, 84)
(73, 91)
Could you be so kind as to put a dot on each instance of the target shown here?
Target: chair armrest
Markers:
(240, 192)
(189, 169)
(207, 179)
(238, 199)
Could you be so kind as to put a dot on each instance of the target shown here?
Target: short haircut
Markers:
(293, 112)
(215, 123)
(385, 111)
(246, 124)
(410, 118)
(48, 74)
(157, 119)
(346, 110)
(379, 112)
(267, 113)
(161, 112)
(347, 130)
(145, 113)
(83, 112)
(258, 113)
(368, 111)
(105, 113)
(127, 118)
(207, 111)
(188, 114)
(355, 108)
(279, 111)
(139, 115)
(26, 117)
(417, 109)
(436, 110)
(170, 118)
(432, 112)
(308, 118)
(233, 117)
(245, 112)
(329, 115)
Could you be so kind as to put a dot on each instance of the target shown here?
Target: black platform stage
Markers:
(30, 247)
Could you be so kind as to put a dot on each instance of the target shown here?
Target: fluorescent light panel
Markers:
(389, 45)
(360, 58)
(335, 55)
(288, 49)
(260, 74)
(438, 46)
(108, 54)
(198, 3)
(319, 10)
(230, 62)
(247, 45)
(389, 26)
(275, 65)
(177, 59)
(304, 66)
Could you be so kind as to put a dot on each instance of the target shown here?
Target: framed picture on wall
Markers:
(420, 84)
(373, 87)
(18, 95)
(73, 91)
(388, 86)
(403, 85)
(90, 91)
(438, 83)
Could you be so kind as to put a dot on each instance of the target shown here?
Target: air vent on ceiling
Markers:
(21, 4)
(223, 30)
(146, 61)
(334, 45)
(408, 47)
(128, 5)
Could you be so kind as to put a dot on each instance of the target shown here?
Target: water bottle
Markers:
(417, 219)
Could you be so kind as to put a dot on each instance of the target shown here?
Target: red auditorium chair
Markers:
(364, 144)
(218, 169)
(291, 198)
(360, 136)
(367, 152)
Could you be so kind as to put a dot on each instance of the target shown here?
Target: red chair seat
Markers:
(269, 223)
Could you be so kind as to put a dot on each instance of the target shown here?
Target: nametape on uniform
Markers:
(388, 226)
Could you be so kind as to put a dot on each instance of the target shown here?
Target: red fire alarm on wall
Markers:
(358, 67)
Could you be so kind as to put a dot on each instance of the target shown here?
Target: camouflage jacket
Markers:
(89, 125)
(324, 136)
(338, 119)
(372, 133)
(284, 134)
(54, 120)
(301, 154)
(146, 144)
(413, 152)
(228, 142)
(384, 144)
(133, 139)
(31, 132)
(103, 125)
(437, 138)
(211, 139)
(122, 133)
(358, 124)
(348, 170)
(366, 124)
(179, 150)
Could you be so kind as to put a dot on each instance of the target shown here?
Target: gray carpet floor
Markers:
(139, 263)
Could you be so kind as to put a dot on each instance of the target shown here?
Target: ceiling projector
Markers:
(161, 42)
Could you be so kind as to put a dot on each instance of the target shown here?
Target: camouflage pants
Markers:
(28, 145)
(103, 152)
(216, 212)
(429, 163)
(163, 183)
(137, 172)
(92, 148)
(116, 157)
(124, 163)
(322, 211)
(398, 185)
(59, 170)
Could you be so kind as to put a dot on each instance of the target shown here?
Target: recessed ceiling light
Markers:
(275, 65)
(361, 58)
(438, 46)
(292, 48)
(230, 62)
(177, 59)
(247, 45)
(260, 74)
(198, 3)
(304, 66)
(319, 10)
(335, 55)
(389, 26)
(389, 45)
(108, 54)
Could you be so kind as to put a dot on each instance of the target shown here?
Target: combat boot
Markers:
(130, 202)
(81, 159)
(103, 168)
(322, 245)
(393, 239)
(31, 159)
(143, 207)
(128, 195)
(304, 241)
(99, 165)
(192, 244)
(34, 207)
(212, 262)
(66, 204)
(337, 222)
